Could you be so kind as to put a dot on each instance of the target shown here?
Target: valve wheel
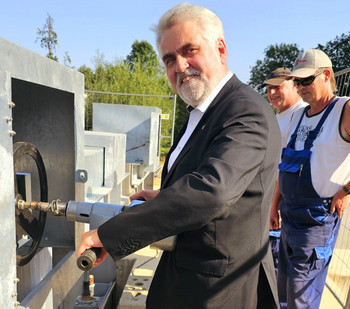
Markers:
(32, 225)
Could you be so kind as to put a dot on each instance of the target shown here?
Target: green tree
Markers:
(142, 54)
(278, 55)
(48, 38)
(89, 77)
(338, 50)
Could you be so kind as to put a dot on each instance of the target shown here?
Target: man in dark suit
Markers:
(217, 181)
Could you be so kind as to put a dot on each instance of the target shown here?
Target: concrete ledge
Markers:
(137, 286)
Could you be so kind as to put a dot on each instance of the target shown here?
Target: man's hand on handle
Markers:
(89, 240)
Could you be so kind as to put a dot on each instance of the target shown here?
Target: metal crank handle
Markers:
(87, 260)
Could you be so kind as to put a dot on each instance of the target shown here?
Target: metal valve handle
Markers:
(87, 260)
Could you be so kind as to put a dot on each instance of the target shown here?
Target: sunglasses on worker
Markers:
(306, 81)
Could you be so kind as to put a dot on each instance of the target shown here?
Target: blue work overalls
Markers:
(309, 230)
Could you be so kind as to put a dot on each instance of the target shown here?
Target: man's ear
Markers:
(327, 74)
(222, 51)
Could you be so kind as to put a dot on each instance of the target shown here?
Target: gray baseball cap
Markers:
(308, 62)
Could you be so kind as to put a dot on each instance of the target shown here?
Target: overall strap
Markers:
(313, 133)
(291, 143)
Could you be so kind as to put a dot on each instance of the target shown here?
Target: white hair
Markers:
(211, 24)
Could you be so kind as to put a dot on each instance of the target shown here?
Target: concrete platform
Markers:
(138, 284)
(328, 301)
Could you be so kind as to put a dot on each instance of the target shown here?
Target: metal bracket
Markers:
(81, 176)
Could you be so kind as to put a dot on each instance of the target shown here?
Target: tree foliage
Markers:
(120, 76)
(48, 38)
(278, 55)
(338, 50)
(143, 54)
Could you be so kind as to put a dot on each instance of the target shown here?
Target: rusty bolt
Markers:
(12, 133)
(11, 105)
(8, 119)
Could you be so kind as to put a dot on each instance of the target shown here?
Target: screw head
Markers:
(82, 176)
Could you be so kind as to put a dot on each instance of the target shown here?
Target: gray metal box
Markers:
(141, 124)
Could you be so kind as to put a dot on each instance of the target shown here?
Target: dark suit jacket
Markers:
(216, 198)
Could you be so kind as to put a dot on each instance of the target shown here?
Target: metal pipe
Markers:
(57, 207)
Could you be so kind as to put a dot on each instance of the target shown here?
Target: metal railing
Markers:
(342, 79)
(338, 279)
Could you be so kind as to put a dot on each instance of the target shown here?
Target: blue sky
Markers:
(111, 27)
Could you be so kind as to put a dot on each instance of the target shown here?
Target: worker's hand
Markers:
(340, 202)
(274, 219)
(89, 240)
(144, 195)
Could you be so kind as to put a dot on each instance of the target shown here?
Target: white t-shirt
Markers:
(330, 159)
(284, 120)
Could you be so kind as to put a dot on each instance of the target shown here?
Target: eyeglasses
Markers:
(306, 81)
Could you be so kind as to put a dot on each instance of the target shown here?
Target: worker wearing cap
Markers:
(314, 180)
(283, 96)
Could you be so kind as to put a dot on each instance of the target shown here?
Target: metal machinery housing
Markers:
(42, 103)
